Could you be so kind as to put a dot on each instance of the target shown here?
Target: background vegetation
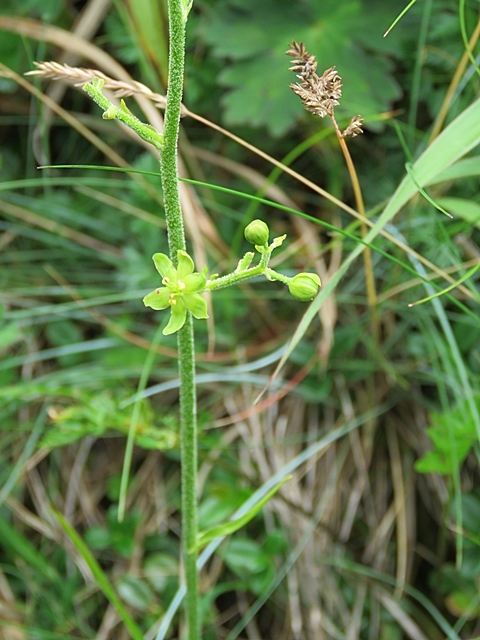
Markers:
(377, 534)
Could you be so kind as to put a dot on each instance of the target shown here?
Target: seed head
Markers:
(319, 94)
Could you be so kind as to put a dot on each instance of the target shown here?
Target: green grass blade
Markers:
(469, 273)
(12, 540)
(99, 575)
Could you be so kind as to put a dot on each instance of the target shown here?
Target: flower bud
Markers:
(304, 286)
(257, 233)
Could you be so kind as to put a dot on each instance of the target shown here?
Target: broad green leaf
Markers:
(136, 592)
(452, 434)
(254, 38)
(465, 168)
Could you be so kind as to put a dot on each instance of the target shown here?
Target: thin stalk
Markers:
(367, 254)
(186, 345)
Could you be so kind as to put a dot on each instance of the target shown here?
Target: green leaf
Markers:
(13, 542)
(160, 568)
(9, 335)
(453, 434)
(151, 437)
(246, 557)
(227, 528)
(93, 414)
(462, 169)
(254, 39)
(251, 562)
(135, 592)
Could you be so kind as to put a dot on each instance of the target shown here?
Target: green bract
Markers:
(304, 286)
(180, 291)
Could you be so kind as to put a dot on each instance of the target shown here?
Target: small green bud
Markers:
(257, 233)
(277, 242)
(124, 107)
(304, 286)
(110, 113)
(97, 83)
(245, 262)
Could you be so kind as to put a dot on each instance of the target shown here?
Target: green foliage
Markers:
(459, 585)
(75, 263)
(115, 536)
(227, 528)
(99, 414)
(253, 562)
(346, 35)
(453, 434)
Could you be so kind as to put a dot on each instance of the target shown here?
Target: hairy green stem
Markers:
(236, 277)
(186, 345)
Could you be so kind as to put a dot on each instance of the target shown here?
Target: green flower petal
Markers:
(178, 317)
(185, 265)
(164, 266)
(157, 299)
(194, 282)
(196, 304)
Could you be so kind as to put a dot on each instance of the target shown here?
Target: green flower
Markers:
(180, 291)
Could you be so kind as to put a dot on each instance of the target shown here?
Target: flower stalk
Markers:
(185, 340)
(320, 95)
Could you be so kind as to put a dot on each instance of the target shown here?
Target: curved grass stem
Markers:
(367, 254)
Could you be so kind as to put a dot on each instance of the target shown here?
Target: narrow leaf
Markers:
(227, 528)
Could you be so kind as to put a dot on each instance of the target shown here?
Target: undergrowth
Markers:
(371, 404)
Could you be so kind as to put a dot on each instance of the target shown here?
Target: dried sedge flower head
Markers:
(319, 94)
(354, 128)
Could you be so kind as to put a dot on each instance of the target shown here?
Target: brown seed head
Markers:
(319, 94)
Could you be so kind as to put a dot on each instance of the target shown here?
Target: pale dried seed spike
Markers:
(79, 76)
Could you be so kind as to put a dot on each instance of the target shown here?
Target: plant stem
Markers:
(367, 254)
(186, 345)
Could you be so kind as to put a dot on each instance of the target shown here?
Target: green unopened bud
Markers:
(110, 113)
(304, 286)
(257, 233)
